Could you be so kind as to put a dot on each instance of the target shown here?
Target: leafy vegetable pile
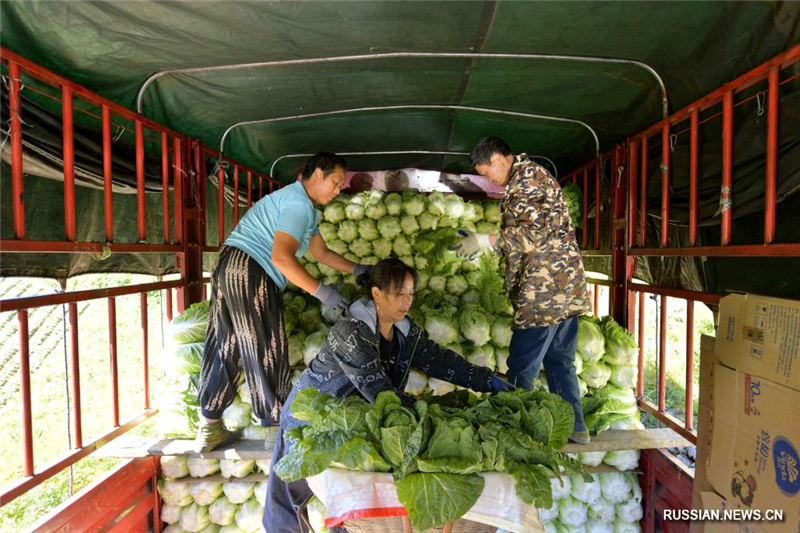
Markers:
(198, 506)
(436, 449)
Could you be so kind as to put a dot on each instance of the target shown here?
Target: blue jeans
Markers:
(555, 347)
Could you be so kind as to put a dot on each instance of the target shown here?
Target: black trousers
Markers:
(245, 331)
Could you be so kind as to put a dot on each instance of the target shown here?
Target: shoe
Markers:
(211, 436)
(580, 437)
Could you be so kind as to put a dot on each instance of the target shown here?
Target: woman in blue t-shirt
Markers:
(246, 318)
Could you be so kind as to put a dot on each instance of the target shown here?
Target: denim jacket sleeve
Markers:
(441, 363)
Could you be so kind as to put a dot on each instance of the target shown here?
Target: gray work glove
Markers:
(359, 269)
(472, 243)
(330, 297)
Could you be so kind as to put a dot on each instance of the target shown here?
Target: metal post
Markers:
(112, 351)
(727, 165)
(693, 180)
(221, 209)
(665, 162)
(75, 375)
(772, 156)
(597, 203)
(165, 183)
(622, 266)
(633, 178)
(140, 199)
(662, 355)
(689, 409)
(69, 164)
(145, 350)
(585, 235)
(640, 331)
(25, 393)
(235, 195)
(643, 200)
(18, 198)
(108, 192)
(249, 189)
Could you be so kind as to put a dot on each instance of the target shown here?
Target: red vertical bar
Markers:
(177, 189)
(140, 200)
(112, 352)
(727, 164)
(693, 180)
(665, 145)
(165, 183)
(205, 292)
(25, 393)
(169, 305)
(17, 189)
(643, 199)
(75, 376)
(271, 186)
(597, 204)
(772, 156)
(235, 195)
(596, 298)
(585, 235)
(108, 195)
(145, 351)
(640, 331)
(156, 469)
(575, 178)
(249, 189)
(662, 355)
(221, 206)
(689, 411)
(260, 187)
(633, 179)
(69, 164)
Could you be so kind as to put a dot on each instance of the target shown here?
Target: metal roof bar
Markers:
(419, 106)
(395, 55)
(398, 152)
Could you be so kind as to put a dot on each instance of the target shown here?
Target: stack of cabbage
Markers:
(461, 304)
(191, 505)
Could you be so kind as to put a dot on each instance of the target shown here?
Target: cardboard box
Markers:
(753, 461)
(760, 336)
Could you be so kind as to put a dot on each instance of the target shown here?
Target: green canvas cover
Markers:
(113, 47)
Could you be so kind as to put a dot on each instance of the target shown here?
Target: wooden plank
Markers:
(613, 440)
(255, 477)
(144, 447)
(633, 439)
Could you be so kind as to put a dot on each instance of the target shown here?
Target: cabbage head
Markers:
(624, 376)
(236, 467)
(375, 209)
(437, 283)
(483, 356)
(402, 247)
(348, 231)
(174, 466)
(587, 492)
(248, 517)
(175, 493)
(389, 227)
(621, 349)
(427, 221)
(194, 518)
(591, 343)
(572, 512)
(237, 415)
(410, 225)
(413, 203)
(338, 246)
(171, 514)
(368, 230)
(501, 331)
(393, 203)
(436, 204)
(439, 387)
(615, 486)
(199, 467)
(361, 247)
(222, 511)
(238, 491)
(382, 248)
(354, 211)
(417, 381)
(328, 231)
(190, 326)
(603, 510)
(205, 492)
(313, 345)
(334, 212)
(440, 326)
(475, 325)
(456, 284)
(486, 227)
(491, 211)
(454, 206)
(596, 375)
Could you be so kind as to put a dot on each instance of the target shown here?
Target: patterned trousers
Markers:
(245, 332)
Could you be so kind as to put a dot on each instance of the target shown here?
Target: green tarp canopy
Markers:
(694, 47)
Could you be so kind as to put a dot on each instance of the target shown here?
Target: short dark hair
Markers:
(486, 148)
(325, 161)
(388, 274)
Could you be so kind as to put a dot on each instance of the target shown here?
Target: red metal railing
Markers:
(187, 160)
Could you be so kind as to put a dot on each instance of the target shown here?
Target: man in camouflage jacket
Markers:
(544, 271)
